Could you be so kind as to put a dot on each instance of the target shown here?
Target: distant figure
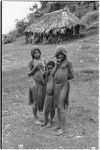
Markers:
(63, 71)
(37, 91)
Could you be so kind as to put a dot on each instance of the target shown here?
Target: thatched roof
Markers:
(54, 20)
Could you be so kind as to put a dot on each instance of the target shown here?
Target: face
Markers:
(60, 58)
(50, 67)
(37, 55)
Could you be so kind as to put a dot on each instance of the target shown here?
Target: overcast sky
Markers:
(12, 11)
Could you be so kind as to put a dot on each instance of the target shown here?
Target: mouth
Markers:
(58, 60)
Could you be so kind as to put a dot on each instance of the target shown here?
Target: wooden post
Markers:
(73, 30)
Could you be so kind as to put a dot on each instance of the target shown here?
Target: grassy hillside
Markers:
(18, 129)
(90, 18)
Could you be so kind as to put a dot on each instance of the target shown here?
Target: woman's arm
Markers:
(70, 71)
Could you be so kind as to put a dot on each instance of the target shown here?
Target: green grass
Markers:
(18, 55)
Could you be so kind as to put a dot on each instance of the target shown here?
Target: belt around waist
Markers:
(61, 82)
(40, 83)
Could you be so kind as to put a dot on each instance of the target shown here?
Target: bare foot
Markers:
(56, 128)
(44, 124)
(49, 124)
(29, 103)
(59, 132)
(37, 122)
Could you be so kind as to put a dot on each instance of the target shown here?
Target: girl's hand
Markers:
(57, 63)
(39, 65)
(45, 61)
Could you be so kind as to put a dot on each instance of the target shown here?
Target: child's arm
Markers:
(70, 71)
(54, 70)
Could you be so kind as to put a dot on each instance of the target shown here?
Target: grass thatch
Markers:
(57, 19)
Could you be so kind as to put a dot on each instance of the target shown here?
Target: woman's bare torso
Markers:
(61, 75)
(38, 75)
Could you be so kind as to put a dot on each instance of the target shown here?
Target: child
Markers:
(63, 71)
(37, 91)
(49, 108)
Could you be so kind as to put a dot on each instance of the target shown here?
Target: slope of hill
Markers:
(18, 129)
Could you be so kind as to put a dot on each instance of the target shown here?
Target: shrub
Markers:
(8, 39)
(94, 25)
(90, 18)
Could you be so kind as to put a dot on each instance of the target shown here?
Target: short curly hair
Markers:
(34, 49)
(51, 63)
(60, 50)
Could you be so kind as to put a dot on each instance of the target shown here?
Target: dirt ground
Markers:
(18, 128)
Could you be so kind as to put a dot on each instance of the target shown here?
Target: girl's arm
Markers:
(30, 65)
(34, 69)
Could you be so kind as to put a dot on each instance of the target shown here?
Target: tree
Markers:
(21, 26)
(34, 7)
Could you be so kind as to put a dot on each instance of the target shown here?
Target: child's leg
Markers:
(50, 110)
(52, 114)
(46, 112)
(46, 115)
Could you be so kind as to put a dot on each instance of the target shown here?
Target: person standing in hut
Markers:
(38, 87)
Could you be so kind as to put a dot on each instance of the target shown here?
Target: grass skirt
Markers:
(37, 95)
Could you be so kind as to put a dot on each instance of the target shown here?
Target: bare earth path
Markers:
(18, 129)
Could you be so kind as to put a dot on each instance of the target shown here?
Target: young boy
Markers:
(63, 71)
(49, 108)
(37, 91)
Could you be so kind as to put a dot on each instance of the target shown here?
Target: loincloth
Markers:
(57, 89)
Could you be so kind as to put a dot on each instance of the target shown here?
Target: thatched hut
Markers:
(55, 21)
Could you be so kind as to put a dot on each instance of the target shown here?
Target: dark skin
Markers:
(49, 108)
(34, 69)
(62, 72)
(32, 72)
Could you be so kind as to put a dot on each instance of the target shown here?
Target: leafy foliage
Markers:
(21, 26)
